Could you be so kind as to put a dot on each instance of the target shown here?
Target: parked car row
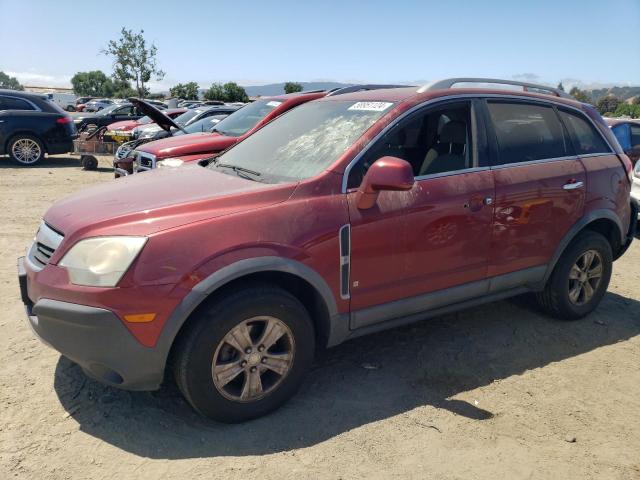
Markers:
(323, 217)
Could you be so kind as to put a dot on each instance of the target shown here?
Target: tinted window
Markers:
(526, 132)
(433, 141)
(635, 135)
(128, 110)
(11, 103)
(584, 136)
(243, 120)
(623, 134)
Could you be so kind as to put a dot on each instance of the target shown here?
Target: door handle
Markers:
(573, 185)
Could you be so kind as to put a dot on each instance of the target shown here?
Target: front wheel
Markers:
(246, 354)
(580, 278)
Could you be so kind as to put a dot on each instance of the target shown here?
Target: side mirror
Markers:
(386, 173)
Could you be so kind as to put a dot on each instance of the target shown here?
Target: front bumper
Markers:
(95, 339)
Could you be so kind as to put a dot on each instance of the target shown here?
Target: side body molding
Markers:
(236, 270)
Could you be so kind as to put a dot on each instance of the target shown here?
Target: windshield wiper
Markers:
(238, 170)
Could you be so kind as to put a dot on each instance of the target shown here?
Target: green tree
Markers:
(627, 110)
(292, 87)
(580, 95)
(11, 83)
(608, 104)
(560, 86)
(215, 92)
(186, 91)
(229, 92)
(133, 60)
(93, 84)
(122, 89)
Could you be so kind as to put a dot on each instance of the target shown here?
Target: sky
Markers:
(583, 42)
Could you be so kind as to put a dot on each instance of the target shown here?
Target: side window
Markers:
(434, 140)
(11, 103)
(623, 134)
(125, 111)
(526, 132)
(635, 135)
(585, 138)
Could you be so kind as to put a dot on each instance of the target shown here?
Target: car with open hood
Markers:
(123, 129)
(344, 216)
(113, 113)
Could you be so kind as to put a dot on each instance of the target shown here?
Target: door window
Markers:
(434, 140)
(635, 135)
(128, 110)
(623, 134)
(526, 132)
(11, 103)
(586, 140)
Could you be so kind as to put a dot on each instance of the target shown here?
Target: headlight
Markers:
(169, 163)
(101, 261)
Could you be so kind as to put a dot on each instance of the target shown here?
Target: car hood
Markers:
(123, 125)
(154, 114)
(190, 144)
(150, 202)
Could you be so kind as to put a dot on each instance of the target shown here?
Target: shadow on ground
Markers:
(50, 162)
(359, 382)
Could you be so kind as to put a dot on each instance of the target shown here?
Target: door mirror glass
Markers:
(385, 174)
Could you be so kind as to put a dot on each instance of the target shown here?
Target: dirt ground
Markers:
(489, 393)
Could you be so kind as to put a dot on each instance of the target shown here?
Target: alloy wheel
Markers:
(584, 277)
(253, 359)
(26, 150)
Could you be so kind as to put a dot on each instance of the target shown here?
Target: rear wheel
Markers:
(26, 149)
(244, 355)
(580, 278)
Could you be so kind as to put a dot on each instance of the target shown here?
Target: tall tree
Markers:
(186, 91)
(11, 83)
(93, 84)
(580, 95)
(292, 87)
(229, 92)
(133, 60)
(560, 86)
(608, 104)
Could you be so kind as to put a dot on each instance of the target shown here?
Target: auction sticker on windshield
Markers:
(371, 106)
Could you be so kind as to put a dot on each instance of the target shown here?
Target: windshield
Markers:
(107, 110)
(188, 116)
(304, 141)
(243, 120)
(203, 125)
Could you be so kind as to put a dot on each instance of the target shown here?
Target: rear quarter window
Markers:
(526, 132)
(11, 103)
(585, 138)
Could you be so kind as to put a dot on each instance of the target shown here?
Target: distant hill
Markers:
(278, 88)
(623, 93)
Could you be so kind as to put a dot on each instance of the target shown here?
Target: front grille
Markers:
(44, 245)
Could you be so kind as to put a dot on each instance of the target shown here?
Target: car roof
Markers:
(401, 95)
(21, 94)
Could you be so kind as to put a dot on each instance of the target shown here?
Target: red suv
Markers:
(347, 215)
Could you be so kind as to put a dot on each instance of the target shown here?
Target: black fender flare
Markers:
(577, 227)
(219, 278)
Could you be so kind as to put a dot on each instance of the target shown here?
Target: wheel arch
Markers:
(298, 279)
(604, 222)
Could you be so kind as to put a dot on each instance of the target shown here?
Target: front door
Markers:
(432, 237)
(540, 186)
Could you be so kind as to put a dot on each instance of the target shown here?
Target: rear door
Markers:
(540, 186)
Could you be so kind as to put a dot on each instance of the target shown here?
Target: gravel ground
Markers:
(493, 392)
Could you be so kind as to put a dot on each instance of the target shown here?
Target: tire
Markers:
(25, 150)
(89, 162)
(206, 347)
(559, 297)
(70, 108)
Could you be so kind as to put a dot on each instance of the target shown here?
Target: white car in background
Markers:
(98, 104)
(66, 101)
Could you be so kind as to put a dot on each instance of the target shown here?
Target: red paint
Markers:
(128, 125)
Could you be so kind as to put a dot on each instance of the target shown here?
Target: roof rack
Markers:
(450, 82)
(359, 88)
